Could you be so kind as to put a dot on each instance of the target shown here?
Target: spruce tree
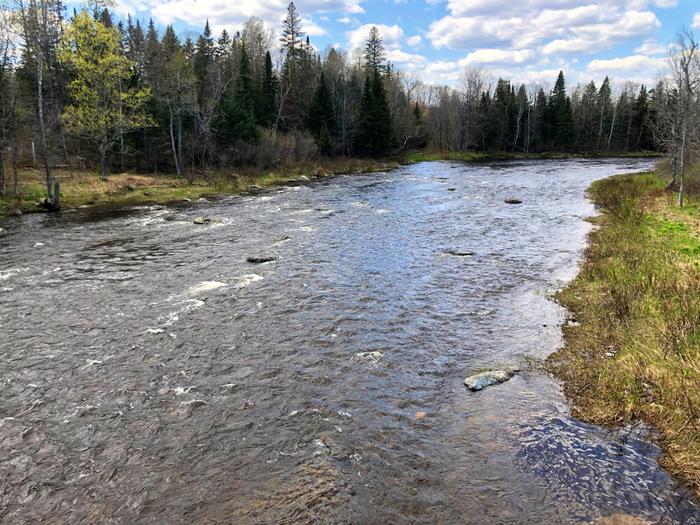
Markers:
(321, 119)
(374, 54)
(560, 117)
(238, 110)
(417, 116)
(267, 108)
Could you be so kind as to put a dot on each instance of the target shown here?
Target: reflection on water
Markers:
(151, 374)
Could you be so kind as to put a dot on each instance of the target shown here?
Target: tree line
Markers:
(87, 89)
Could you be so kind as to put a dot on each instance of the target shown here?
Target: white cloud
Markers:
(585, 28)
(231, 15)
(637, 68)
(393, 36)
(414, 41)
(497, 56)
(696, 20)
(651, 48)
(628, 63)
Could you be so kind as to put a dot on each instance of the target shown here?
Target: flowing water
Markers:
(150, 374)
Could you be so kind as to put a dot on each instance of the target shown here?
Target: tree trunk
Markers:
(2, 173)
(674, 170)
(612, 127)
(42, 123)
(681, 170)
(14, 170)
(104, 169)
(172, 143)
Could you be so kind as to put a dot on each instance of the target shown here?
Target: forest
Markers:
(88, 90)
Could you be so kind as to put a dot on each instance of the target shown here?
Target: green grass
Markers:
(636, 353)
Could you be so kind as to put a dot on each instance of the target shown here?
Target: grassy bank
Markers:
(634, 354)
(84, 188)
(431, 156)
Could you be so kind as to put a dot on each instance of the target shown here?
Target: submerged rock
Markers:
(206, 220)
(512, 200)
(458, 253)
(621, 519)
(261, 259)
(484, 379)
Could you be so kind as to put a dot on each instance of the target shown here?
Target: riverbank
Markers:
(633, 353)
(469, 156)
(85, 188)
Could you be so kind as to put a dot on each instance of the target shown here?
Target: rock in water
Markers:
(484, 379)
(458, 253)
(206, 220)
(511, 200)
(260, 260)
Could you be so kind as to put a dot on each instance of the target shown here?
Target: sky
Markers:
(435, 40)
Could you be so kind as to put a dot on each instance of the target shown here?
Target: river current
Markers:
(151, 374)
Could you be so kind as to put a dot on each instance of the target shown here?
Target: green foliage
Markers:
(321, 119)
(238, 113)
(374, 120)
(102, 105)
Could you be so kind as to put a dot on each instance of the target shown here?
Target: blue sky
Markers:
(435, 40)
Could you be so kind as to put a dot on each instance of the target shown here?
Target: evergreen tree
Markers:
(267, 108)
(374, 126)
(604, 103)
(238, 111)
(374, 54)
(644, 139)
(291, 33)
(204, 54)
(417, 116)
(560, 117)
(321, 119)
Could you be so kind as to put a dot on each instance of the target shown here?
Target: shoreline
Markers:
(632, 353)
(83, 188)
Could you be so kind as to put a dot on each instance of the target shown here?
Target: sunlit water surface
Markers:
(151, 374)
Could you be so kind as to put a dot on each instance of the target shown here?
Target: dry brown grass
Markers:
(79, 188)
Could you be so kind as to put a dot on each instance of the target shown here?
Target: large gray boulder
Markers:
(484, 379)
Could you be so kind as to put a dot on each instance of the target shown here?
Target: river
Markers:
(150, 374)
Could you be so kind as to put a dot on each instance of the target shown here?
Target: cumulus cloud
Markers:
(497, 56)
(638, 68)
(414, 41)
(696, 20)
(222, 14)
(584, 28)
(651, 48)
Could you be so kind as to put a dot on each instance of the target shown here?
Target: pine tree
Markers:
(374, 53)
(291, 33)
